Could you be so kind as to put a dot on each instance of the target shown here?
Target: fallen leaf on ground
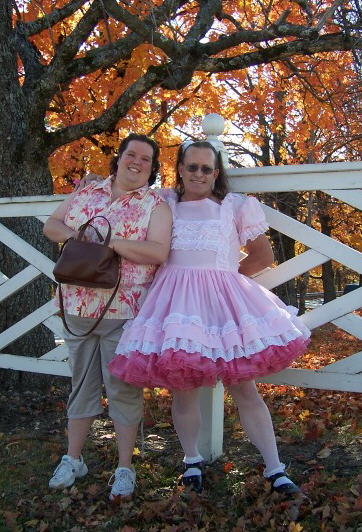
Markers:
(324, 453)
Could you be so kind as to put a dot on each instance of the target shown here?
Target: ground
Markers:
(318, 436)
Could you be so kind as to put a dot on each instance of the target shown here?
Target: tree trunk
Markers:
(302, 286)
(329, 288)
(23, 171)
(37, 293)
(283, 245)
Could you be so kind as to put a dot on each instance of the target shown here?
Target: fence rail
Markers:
(340, 180)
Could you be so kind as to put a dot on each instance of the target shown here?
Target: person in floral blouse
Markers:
(141, 232)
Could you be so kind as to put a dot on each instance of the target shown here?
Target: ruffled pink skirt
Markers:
(198, 326)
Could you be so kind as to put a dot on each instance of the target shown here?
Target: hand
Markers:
(87, 180)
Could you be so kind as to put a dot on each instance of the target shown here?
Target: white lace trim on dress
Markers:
(197, 235)
(229, 327)
(251, 233)
(227, 225)
(190, 346)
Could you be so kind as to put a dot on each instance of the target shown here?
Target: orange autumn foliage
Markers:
(304, 99)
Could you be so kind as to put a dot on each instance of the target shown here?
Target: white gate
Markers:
(340, 180)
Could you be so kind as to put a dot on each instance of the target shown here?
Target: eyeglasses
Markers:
(207, 170)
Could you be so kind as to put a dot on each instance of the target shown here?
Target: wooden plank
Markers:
(306, 378)
(34, 365)
(306, 169)
(29, 205)
(284, 183)
(42, 219)
(333, 310)
(25, 250)
(351, 323)
(351, 364)
(54, 323)
(3, 278)
(296, 177)
(26, 324)
(16, 200)
(211, 434)
(290, 269)
(313, 239)
(352, 197)
(59, 354)
(18, 281)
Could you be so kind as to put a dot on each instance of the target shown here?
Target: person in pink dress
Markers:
(204, 319)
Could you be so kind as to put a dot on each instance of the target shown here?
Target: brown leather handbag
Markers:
(89, 264)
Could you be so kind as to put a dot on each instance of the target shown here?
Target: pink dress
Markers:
(202, 321)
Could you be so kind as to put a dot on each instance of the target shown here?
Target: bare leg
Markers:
(77, 433)
(256, 421)
(126, 439)
(187, 419)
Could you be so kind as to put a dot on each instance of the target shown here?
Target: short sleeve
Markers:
(249, 218)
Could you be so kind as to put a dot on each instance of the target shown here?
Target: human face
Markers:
(198, 173)
(134, 165)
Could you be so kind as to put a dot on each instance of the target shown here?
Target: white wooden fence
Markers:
(340, 180)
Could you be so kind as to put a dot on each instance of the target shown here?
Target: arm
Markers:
(260, 256)
(153, 250)
(54, 228)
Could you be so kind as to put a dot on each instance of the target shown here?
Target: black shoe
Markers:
(288, 488)
(195, 482)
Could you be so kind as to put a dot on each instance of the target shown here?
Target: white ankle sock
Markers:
(192, 471)
(279, 481)
(192, 459)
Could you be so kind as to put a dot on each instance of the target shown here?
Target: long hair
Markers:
(113, 165)
(221, 187)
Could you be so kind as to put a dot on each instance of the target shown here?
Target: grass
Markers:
(236, 498)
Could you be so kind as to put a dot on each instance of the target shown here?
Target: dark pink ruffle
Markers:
(178, 370)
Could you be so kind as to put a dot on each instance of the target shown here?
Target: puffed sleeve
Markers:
(249, 218)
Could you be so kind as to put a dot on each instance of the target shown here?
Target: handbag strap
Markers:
(62, 313)
(83, 227)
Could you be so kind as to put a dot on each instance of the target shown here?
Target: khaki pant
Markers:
(88, 359)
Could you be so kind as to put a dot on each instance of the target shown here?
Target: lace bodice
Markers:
(196, 235)
(207, 234)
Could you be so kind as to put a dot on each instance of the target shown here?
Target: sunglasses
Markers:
(206, 170)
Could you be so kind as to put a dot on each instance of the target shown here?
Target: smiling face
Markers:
(198, 173)
(134, 165)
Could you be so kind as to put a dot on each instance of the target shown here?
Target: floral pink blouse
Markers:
(129, 218)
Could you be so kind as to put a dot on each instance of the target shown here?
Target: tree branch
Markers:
(107, 55)
(173, 109)
(254, 36)
(48, 85)
(328, 14)
(43, 23)
(109, 118)
(145, 28)
(204, 20)
(325, 43)
(31, 59)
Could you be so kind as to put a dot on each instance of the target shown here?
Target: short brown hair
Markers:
(113, 165)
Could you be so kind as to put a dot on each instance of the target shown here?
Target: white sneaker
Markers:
(67, 471)
(123, 484)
